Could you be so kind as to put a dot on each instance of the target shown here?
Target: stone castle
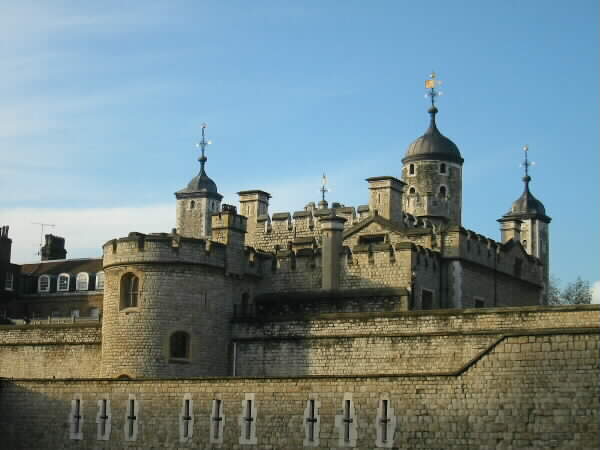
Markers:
(388, 325)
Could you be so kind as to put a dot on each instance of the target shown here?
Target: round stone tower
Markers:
(167, 307)
(432, 171)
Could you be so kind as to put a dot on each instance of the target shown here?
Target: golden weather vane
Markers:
(432, 84)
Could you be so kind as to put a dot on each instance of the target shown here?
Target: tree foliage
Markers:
(577, 292)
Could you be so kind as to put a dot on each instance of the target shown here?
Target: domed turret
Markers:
(526, 204)
(527, 222)
(432, 171)
(433, 145)
(198, 201)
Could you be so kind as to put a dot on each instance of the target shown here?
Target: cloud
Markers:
(85, 230)
(596, 293)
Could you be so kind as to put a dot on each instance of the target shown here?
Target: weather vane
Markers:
(527, 163)
(433, 85)
(324, 186)
(202, 144)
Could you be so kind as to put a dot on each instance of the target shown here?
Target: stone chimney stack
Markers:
(254, 204)
(332, 229)
(510, 229)
(386, 197)
(5, 245)
(229, 228)
(54, 248)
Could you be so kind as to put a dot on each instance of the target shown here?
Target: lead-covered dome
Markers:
(433, 145)
(201, 183)
(527, 204)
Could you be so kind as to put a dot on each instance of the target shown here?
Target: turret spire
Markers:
(526, 164)
(432, 84)
(202, 145)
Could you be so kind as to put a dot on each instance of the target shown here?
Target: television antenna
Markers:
(42, 226)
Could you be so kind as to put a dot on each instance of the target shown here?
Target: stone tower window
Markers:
(83, 281)
(44, 283)
(129, 290)
(179, 345)
(63, 282)
(443, 192)
(443, 169)
(192, 204)
(412, 191)
(411, 169)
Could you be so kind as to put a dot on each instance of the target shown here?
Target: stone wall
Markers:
(534, 391)
(47, 351)
(439, 341)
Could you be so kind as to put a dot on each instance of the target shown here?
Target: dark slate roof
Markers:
(71, 266)
(200, 183)
(433, 145)
(527, 205)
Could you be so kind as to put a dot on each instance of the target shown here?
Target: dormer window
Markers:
(9, 281)
(411, 169)
(44, 283)
(443, 169)
(83, 281)
(63, 282)
(100, 281)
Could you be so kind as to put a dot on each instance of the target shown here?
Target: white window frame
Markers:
(47, 288)
(99, 281)
(78, 286)
(62, 275)
(9, 281)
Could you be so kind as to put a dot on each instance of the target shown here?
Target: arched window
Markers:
(412, 191)
(63, 282)
(443, 192)
(411, 169)
(192, 204)
(443, 168)
(83, 281)
(179, 345)
(100, 281)
(129, 290)
(44, 283)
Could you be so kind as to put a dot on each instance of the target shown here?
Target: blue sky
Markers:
(102, 102)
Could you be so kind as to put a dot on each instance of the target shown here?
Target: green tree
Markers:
(577, 292)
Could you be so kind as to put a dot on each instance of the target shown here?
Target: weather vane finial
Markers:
(202, 144)
(526, 163)
(324, 186)
(433, 85)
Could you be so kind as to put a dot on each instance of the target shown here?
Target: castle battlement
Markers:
(163, 248)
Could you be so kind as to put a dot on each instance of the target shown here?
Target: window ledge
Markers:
(179, 361)
(131, 309)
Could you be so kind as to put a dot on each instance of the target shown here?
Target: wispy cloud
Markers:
(85, 230)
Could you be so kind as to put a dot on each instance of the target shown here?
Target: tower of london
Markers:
(381, 325)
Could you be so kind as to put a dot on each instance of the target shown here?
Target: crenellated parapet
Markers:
(509, 258)
(163, 248)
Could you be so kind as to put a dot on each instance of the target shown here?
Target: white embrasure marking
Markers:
(217, 420)
(103, 419)
(186, 419)
(385, 423)
(247, 420)
(346, 423)
(76, 418)
(132, 418)
(312, 421)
